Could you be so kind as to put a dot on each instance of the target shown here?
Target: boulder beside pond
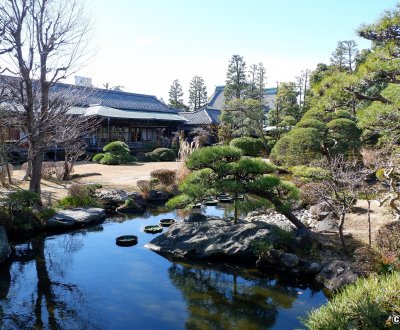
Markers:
(337, 273)
(112, 198)
(210, 239)
(4, 247)
(76, 217)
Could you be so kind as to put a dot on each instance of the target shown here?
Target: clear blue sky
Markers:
(144, 45)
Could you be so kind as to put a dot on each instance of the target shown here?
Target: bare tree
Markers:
(42, 44)
(339, 189)
(390, 173)
(69, 134)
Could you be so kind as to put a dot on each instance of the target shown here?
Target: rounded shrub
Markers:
(116, 153)
(250, 146)
(314, 113)
(110, 159)
(298, 147)
(288, 121)
(98, 157)
(342, 114)
(116, 147)
(343, 135)
(311, 123)
(161, 155)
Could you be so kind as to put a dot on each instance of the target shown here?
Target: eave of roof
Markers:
(107, 112)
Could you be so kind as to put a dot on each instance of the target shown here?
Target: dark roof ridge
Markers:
(108, 90)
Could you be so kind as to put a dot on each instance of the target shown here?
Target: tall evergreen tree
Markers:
(251, 84)
(286, 100)
(236, 83)
(256, 82)
(344, 56)
(197, 93)
(261, 79)
(302, 88)
(176, 96)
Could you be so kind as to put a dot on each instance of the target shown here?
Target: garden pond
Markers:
(83, 280)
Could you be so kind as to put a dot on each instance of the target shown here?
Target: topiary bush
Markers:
(161, 155)
(98, 157)
(110, 159)
(367, 304)
(287, 121)
(298, 147)
(343, 135)
(342, 114)
(311, 123)
(250, 146)
(115, 153)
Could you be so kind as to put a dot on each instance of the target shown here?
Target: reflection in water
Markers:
(219, 300)
(54, 304)
(82, 280)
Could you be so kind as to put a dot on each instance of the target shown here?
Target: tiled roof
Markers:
(117, 99)
(217, 100)
(205, 116)
(87, 96)
(102, 111)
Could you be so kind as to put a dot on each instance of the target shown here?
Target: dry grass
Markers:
(110, 177)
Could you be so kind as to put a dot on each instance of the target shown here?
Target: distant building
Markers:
(203, 118)
(209, 115)
(141, 121)
(83, 81)
(217, 100)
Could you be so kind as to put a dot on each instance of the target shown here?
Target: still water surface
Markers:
(82, 280)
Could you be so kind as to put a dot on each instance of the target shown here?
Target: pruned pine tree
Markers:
(197, 93)
(236, 82)
(176, 96)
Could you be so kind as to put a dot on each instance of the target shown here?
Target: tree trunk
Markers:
(36, 176)
(341, 223)
(293, 219)
(8, 173)
(28, 172)
(280, 208)
(369, 221)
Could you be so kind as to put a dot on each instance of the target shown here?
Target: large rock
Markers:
(196, 217)
(336, 274)
(112, 198)
(278, 259)
(316, 209)
(156, 196)
(77, 217)
(326, 225)
(130, 206)
(213, 238)
(4, 247)
(138, 199)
